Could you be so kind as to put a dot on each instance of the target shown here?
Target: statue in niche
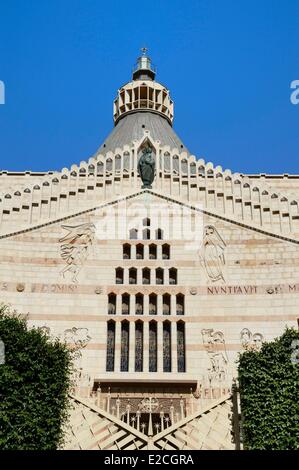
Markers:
(212, 253)
(146, 168)
(75, 247)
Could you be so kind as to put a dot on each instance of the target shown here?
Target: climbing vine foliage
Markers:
(269, 392)
(35, 375)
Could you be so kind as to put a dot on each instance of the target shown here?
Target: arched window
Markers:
(181, 348)
(126, 251)
(173, 276)
(111, 304)
(180, 304)
(153, 346)
(146, 276)
(119, 276)
(146, 222)
(139, 251)
(110, 353)
(166, 304)
(139, 304)
(133, 234)
(125, 304)
(153, 251)
(138, 346)
(132, 276)
(146, 234)
(166, 346)
(124, 351)
(159, 276)
(153, 304)
(165, 251)
(159, 234)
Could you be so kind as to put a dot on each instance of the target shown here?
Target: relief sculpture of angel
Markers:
(75, 246)
(212, 253)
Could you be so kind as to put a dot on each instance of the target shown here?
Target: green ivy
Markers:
(269, 393)
(34, 384)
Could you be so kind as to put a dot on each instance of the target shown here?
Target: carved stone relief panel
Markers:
(212, 254)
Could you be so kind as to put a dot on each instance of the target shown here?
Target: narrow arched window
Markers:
(133, 234)
(159, 234)
(181, 348)
(153, 346)
(138, 346)
(153, 304)
(110, 353)
(166, 304)
(119, 276)
(126, 251)
(139, 304)
(125, 304)
(146, 276)
(132, 276)
(124, 352)
(139, 251)
(165, 251)
(180, 304)
(173, 276)
(111, 304)
(166, 346)
(146, 234)
(153, 251)
(159, 276)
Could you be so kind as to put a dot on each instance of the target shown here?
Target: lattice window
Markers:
(146, 234)
(159, 234)
(181, 348)
(153, 347)
(111, 304)
(124, 352)
(166, 347)
(138, 346)
(110, 346)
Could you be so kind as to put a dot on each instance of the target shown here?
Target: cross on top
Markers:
(144, 50)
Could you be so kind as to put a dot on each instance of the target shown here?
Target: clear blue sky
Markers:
(228, 64)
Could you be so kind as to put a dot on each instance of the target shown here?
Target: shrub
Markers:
(34, 384)
(269, 382)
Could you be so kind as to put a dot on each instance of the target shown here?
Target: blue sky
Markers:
(228, 65)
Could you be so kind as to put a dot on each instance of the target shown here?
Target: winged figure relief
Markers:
(212, 253)
(75, 246)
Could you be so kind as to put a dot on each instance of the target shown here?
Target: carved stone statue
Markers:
(146, 167)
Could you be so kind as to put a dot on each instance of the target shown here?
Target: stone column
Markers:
(173, 304)
(132, 304)
(146, 304)
(159, 304)
(118, 304)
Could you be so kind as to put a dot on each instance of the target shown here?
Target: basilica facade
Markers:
(158, 269)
